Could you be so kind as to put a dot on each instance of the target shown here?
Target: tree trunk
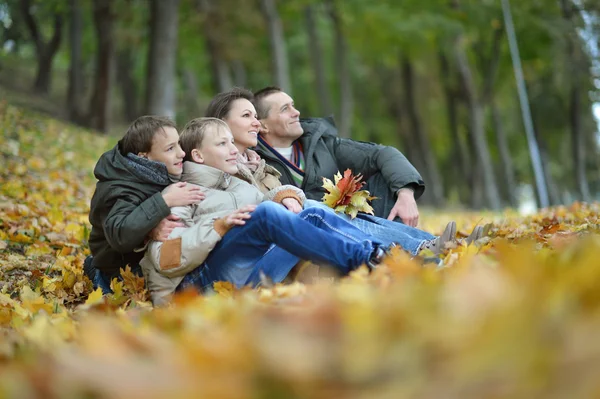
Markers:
(127, 84)
(344, 73)
(99, 113)
(575, 67)
(278, 47)
(161, 79)
(508, 170)
(45, 52)
(416, 128)
(460, 150)
(190, 83)
(318, 62)
(75, 90)
(477, 126)
(240, 76)
(221, 75)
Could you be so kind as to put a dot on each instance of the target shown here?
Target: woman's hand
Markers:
(253, 160)
(239, 216)
(292, 204)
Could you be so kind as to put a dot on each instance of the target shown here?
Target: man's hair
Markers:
(140, 134)
(194, 132)
(260, 103)
(220, 105)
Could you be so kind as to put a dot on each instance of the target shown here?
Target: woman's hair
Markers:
(194, 132)
(220, 105)
(140, 134)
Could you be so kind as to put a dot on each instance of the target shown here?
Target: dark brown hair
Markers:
(220, 105)
(194, 132)
(140, 134)
(262, 106)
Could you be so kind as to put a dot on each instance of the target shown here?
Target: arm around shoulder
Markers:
(128, 224)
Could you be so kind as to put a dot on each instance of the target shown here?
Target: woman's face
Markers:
(243, 124)
(218, 151)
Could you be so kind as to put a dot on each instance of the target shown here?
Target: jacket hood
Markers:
(205, 176)
(112, 165)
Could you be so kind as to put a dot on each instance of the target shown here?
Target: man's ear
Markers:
(197, 156)
(143, 154)
(264, 129)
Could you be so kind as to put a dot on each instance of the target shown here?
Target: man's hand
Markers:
(406, 208)
(182, 194)
(239, 216)
(292, 204)
(162, 231)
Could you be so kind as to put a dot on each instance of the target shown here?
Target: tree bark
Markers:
(240, 76)
(477, 126)
(190, 83)
(508, 170)
(99, 113)
(575, 67)
(127, 84)
(45, 51)
(416, 128)
(161, 79)
(75, 89)
(460, 151)
(318, 62)
(278, 47)
(221, 73)
(345, 77)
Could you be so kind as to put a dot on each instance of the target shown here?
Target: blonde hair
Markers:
(194, 132)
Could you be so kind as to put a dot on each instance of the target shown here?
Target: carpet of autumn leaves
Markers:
(516, 315)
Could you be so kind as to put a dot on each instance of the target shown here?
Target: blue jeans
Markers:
(314, 234)
(386, 231)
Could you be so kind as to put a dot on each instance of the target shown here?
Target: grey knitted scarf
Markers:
(154, 171)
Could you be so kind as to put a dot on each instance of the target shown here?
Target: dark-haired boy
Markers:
(137, 185)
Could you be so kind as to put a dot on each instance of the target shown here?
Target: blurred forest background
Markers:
(432, 77)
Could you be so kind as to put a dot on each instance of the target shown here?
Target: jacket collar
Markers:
(205, 176)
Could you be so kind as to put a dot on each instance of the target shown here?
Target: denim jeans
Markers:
(386, 231)
(314, 234)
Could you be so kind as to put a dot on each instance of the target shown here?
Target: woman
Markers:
(229, 235)
(236, 109)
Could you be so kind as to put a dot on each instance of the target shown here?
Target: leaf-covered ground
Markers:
(516, 315)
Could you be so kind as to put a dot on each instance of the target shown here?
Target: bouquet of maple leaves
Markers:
(345, 195)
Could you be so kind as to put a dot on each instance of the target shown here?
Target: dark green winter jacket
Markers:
(126, 206)
(325, 154)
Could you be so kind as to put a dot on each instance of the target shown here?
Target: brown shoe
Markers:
(438, 244)
(475, 235)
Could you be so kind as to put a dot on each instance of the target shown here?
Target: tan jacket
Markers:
(166, 263)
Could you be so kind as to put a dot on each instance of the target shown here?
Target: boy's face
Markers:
(218, 151)
(166, 149)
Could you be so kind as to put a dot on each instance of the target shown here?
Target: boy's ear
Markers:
(197, 156)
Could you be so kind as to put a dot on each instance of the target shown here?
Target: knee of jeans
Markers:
(313, 211)
(266, 208)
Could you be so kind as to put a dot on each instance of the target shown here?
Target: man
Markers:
(306, 151)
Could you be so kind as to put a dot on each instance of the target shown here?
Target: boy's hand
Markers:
(182, 194)
(239, 216)
(162, 231)
(292, 204)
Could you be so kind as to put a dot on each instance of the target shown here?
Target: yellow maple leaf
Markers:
(224, 288)
(95, 297)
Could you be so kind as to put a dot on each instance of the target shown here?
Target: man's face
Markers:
(283, 121)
